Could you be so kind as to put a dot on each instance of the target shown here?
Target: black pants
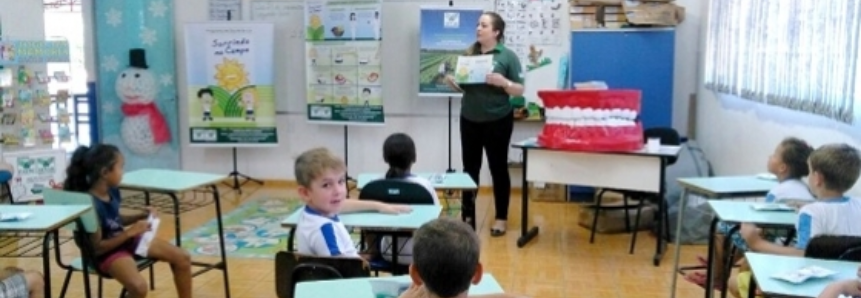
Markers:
(494, 138)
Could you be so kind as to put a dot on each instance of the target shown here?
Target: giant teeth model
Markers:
(591, 120)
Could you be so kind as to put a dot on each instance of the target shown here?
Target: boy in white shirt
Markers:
(322, 179)
(834, 169)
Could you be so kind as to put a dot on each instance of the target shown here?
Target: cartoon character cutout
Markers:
(144, 129)
(7, 52)
(353, 25)
(366, 96)
(205, 97)
(248, 101)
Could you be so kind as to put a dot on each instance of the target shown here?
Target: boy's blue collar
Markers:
(843, 199)
(310, 210)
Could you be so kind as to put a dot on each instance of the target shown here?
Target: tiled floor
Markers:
(560, 262)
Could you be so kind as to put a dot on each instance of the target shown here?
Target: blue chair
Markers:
(392, 191)
(5, 188)
(82, 240)
(292, 268)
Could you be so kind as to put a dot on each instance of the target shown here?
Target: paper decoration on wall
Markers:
(6, 78)
(42, 77)
(61, 76)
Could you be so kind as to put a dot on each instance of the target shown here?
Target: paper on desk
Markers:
(15, 216)
(772, 207)
(803, 274)
(146, 238)
(766, 176)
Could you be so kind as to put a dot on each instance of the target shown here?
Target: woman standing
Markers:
(487, 119)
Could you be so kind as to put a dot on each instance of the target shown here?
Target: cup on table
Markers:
(653, 144)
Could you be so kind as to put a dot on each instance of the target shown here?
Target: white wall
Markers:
(427, 121)
(22, 19)
(738, 136)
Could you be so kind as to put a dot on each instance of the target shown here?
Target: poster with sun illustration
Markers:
(230, 94)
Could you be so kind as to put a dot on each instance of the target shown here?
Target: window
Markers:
(800, 54)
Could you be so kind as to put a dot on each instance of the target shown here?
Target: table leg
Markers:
(661, 242)
(46, 261)
(177, 228)
(711, 259)
(223, 264)
(526, 234)
(683, 202)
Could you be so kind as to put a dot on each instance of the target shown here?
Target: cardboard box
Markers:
(653, 13)
(548, 193)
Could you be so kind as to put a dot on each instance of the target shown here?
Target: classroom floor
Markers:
(560, 262)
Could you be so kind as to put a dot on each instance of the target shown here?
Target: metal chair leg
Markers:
(152, 277)
(636, 226)
(66, 283)
(595, 218)
(627, 213)
(100, 288)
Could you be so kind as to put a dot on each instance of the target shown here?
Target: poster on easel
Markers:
(34, 171)
(539, 32)
(343, 68)
(230, 84)
(445, 34)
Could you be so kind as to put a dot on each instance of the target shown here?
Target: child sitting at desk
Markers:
(399, 151)
(834, 169)
(16, 283)
(322, 179)
(446, 261)
(789, 164)
(98, 170)
(843, 288)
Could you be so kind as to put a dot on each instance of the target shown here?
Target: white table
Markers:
(765, 266)
(637, 171)
(361, 287)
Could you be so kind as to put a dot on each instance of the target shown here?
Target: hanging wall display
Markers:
(539, 32)
(445, 34)
(231, 98)
(137, 96)
(343, 67)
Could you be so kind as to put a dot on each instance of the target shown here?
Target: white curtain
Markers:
(798, 54)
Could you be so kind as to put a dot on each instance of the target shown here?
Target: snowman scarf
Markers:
(157, 123)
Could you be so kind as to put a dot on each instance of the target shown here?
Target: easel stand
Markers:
(347, 156)
(236, 175)
(450, 169)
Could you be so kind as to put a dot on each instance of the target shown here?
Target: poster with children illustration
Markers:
(230, 96)
(344, 72)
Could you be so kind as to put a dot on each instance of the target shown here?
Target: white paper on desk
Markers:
(772, 207)
(146, 238)
(15, 216)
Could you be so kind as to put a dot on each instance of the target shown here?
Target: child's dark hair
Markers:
(496, 24)
(839, 165)
(203, 91)
(794, 152)
(446, 255)
(399, 151)
(87, 166)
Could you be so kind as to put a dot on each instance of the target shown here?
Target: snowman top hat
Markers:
(137, 58)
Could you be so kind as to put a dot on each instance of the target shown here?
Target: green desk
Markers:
(361, 287)
(715, 187)
(740, 212)
(172, 182)
(451, 181)
(44, 219)
(395, 225)
(765, 266)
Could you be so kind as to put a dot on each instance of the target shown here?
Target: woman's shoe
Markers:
(498, 229)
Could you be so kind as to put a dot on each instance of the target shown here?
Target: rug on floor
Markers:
(253, 230)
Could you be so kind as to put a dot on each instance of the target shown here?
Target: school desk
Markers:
(764, 266)
(361, 287)
(716, 188)
(171, 183)
(47, 219)
(637, 171)
(394, 225)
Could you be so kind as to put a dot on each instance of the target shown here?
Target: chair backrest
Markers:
(668, 136)
(292, 268)
(61, 197)
(830, 247)
(396, 191)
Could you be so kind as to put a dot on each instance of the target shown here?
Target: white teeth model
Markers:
(590, 117)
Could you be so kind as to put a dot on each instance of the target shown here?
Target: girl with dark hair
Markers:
(487, 118)
(98, 170)
(399, 151)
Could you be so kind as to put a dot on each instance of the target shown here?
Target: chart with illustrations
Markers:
(539, 32)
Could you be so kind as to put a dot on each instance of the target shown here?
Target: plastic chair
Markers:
(82, 240)
(292, 268)
(393, 191)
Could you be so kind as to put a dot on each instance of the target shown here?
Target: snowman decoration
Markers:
(144, 129)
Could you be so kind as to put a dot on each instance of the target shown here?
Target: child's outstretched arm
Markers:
(365, 205)
(751, 235)
(843, 287)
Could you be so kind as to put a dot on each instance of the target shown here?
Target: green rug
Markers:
(253, 230)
